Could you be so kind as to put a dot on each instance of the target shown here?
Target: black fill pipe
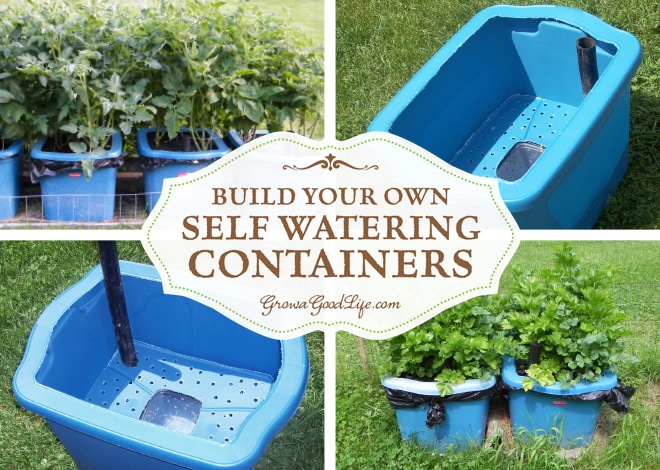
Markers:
(534, 353)
(587, 64)
(114, 291)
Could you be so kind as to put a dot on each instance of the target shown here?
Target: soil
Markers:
(181, 143)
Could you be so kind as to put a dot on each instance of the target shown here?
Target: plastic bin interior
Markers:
(239, 387)
(11, 160)
(551, 410)
(465, 422)
(510, 75)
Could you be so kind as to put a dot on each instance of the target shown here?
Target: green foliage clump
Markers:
(464, 342)
(570, 311)
(80, 71)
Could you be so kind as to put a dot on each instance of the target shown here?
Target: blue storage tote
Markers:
(206, 393)
(504, 98)
(550, 409)
(68, 196)
(465, 420)
(11, 160)
(172, 164)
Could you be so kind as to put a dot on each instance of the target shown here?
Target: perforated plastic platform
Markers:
(521, 118)
(228, 395)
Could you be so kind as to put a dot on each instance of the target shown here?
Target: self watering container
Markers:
(570, 415)
(157, 165)
(173, 384)
(438, 423)
(11, 159)
(68, 195)
(537, 97)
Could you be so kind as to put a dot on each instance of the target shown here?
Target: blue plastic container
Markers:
(69, 196)
(11, 160)
(465, 422)
(178, 163)
(206, 392)
(550, 410)
(503, 98)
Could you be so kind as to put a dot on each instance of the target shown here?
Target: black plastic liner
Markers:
(617, 398)
(436, 412)
(40, 168)
(150, 163)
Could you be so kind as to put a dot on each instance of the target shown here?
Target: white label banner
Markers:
(373, 235)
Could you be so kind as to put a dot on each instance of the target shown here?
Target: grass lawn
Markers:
(32, 274)
(382, 43)
(367, 432)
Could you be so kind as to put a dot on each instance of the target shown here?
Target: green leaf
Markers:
(78, 147)
(6, 96)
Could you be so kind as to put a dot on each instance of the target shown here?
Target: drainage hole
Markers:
(231, 428)
(152, 367)
(180, 381)
(212, 413)
(255, 400)
(89, 399)
(163, 370)
(540, 137)
(212, 384)
(137, 391)
(215, 397)
(116, 389)
(200, 371)
(105, 403)
(231, 384)
(146, 358)
(127, 400)
(190, 368)
(105, 382)
(226, 439)
(256, 383)
(117, 404)
(241, 392)
(559, 106)
(228, 401)
(102, 392)
(198, 382)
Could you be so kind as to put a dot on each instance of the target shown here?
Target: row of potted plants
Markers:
(551, 345)
(79, 78)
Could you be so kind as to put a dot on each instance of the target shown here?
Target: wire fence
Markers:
(35, 211)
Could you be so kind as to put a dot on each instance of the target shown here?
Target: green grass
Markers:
(32, 273)
(367, 432)
(382, 43)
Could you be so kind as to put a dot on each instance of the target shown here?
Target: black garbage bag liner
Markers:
(617, 397)
(149, 163)
(436, 412)
(40, 168)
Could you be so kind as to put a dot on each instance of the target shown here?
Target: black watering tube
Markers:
(534, 353)
(114, 291)
(587, 64)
